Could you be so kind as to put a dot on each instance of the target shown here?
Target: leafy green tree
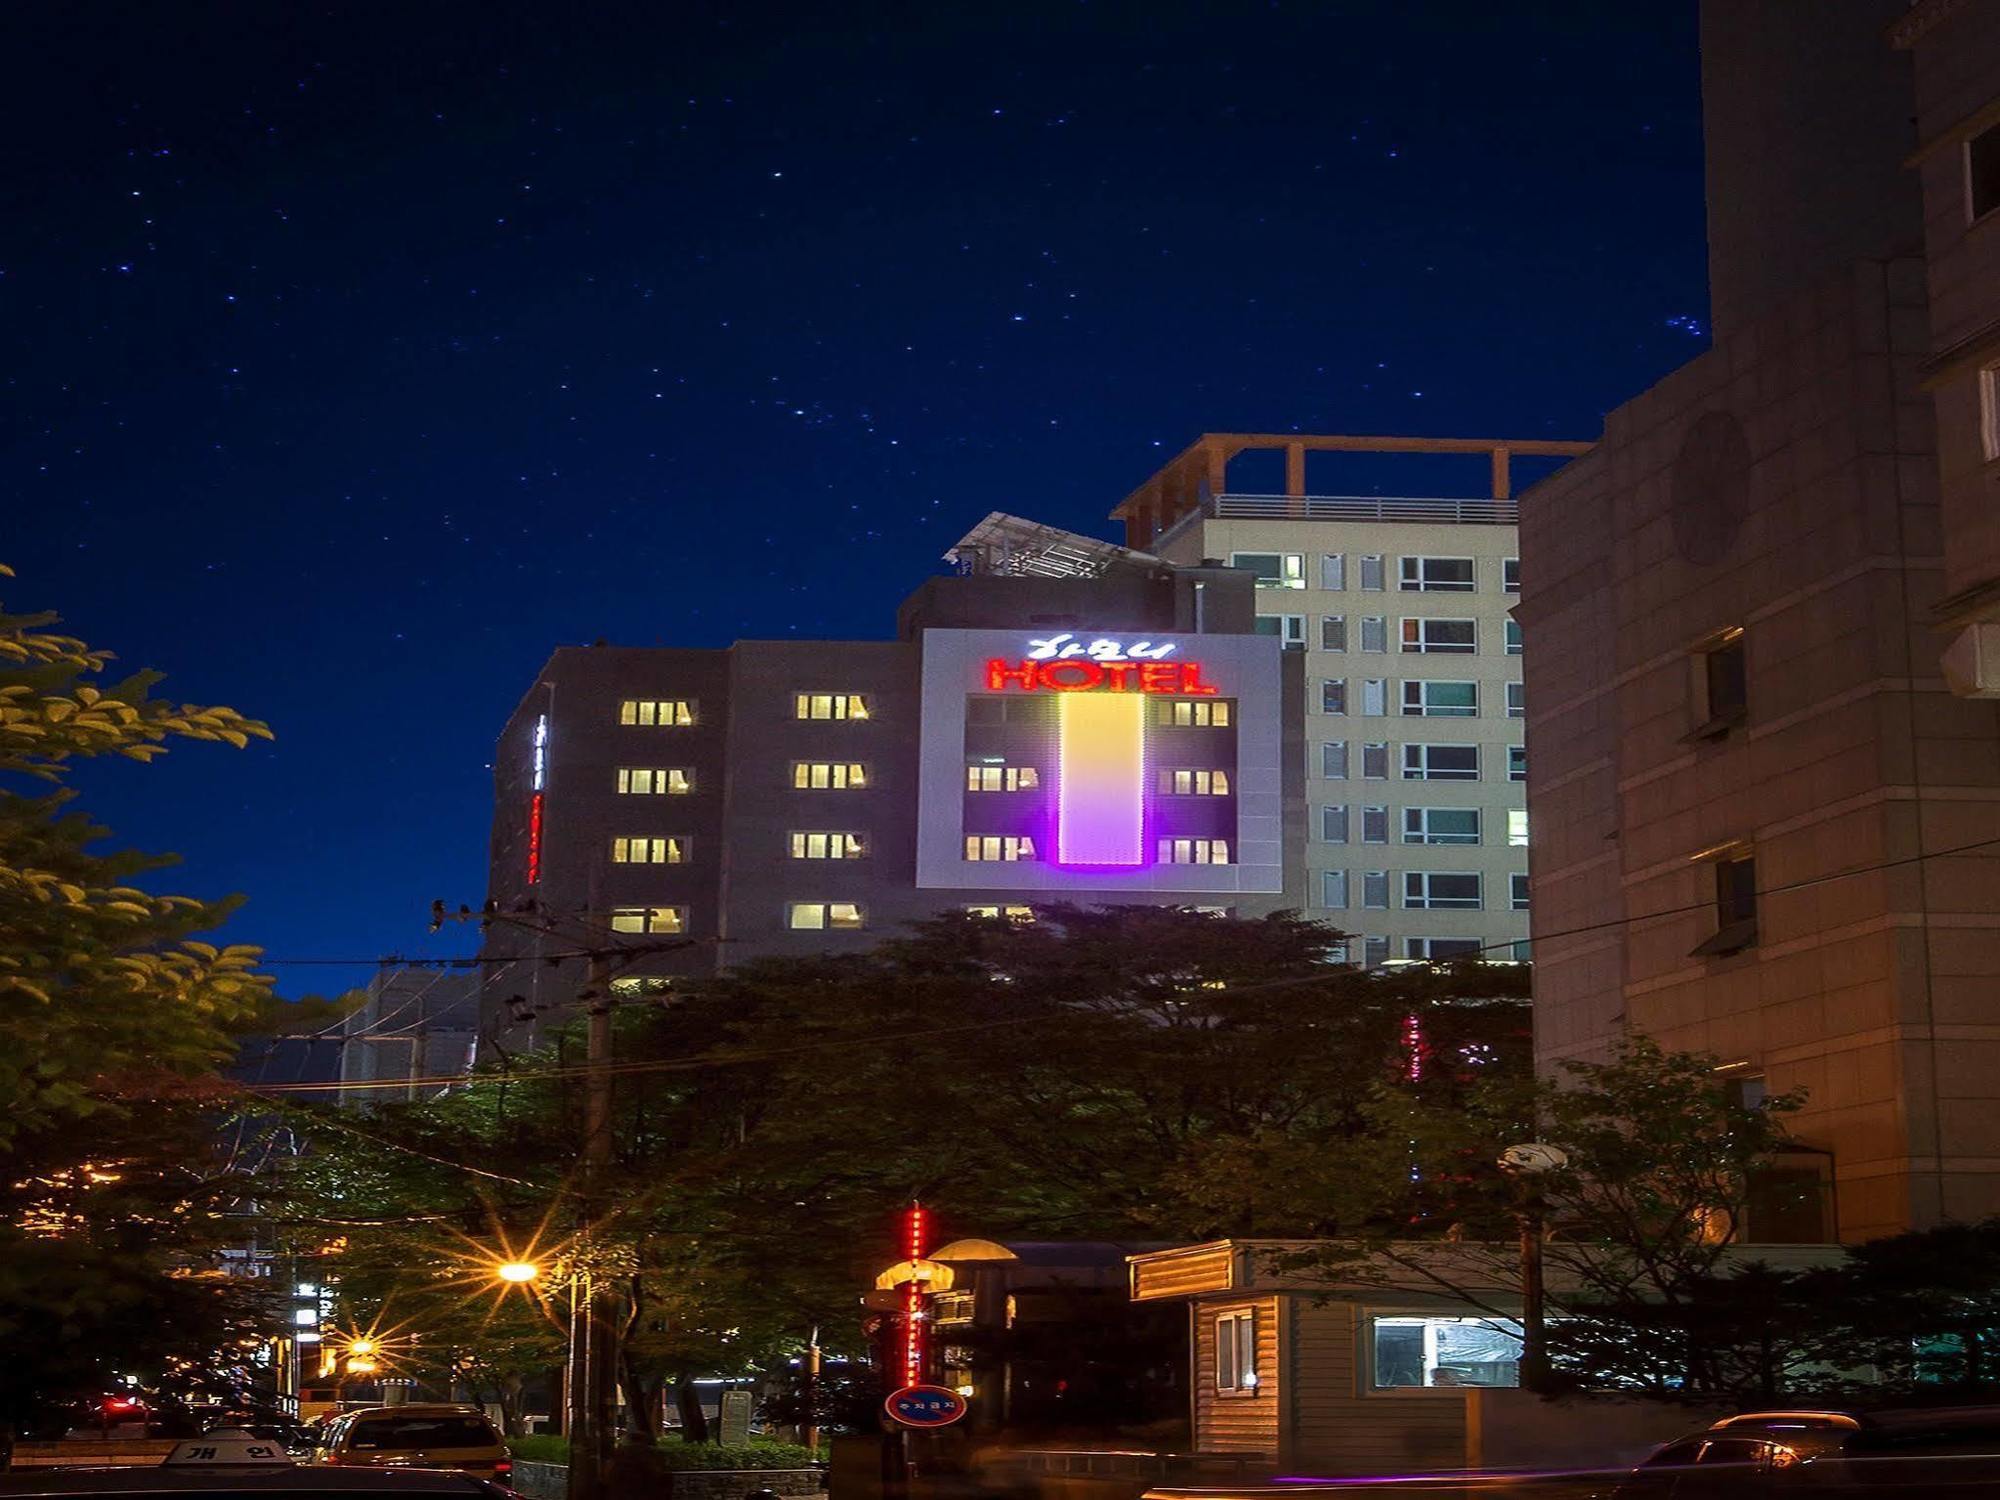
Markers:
(114, 1021)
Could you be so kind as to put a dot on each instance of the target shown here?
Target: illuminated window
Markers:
(1440, 637)
(829, 706)
(1236, 1352)
(1517, 762)
(1333, 632)
(1001, 778)
(668, 780)
(1333, 695)
(828, 846)
(1518, 889)
(985, 846)
(1273, 570)
(1009, 913)
(1517, 701)
(1420, 1351)
(829, 775)
(1197, 713)
(1194, 783)
(647, 713)
(1510, 575)
(1517, 827)
(1194, 851)
(650, 850)
(1433, 891)
(1437, 575)
(818, 916)
(1440, 825)
(1440, 762)
(629, 986)
(1441, 700)
(1513, 637)
(649, 919)
(1440, 947)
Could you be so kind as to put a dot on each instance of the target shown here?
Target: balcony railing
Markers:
(1360, 508)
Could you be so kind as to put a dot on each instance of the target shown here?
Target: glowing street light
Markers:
(520, 1272)
(361, 1347)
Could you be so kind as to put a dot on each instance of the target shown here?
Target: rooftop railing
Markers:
(1346, 508)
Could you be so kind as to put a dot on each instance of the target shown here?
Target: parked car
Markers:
(1922, 1452)
(415, 1436)
(238, 1465)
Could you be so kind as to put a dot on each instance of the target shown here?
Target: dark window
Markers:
(425, 1432)
(1982, 171)
(1735, 907)
(1728, 684)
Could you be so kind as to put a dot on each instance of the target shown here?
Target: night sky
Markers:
(357, 356)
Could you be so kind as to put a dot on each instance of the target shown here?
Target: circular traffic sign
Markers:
(925, 1406)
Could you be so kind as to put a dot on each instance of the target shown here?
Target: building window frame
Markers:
(824, 707)
(1235, 1335)
(998, 776)
(1000, 848)
(1421, 948)
(1417, 757)
(657, 713)
(671, 920)
(825, 916)
(1510, 575)
(1518, 891)
(655, 781)
(1418, 829)
(839, 776)
(1980, 156)
(1193, 781)
(1333, 632)
(1288, 569)
(1420, 893)
(1733, 879)
(1435, 635)
(1989, 412)
(1182, 850)
(652, 849)
(1719, 683)
(1413, 574)
(1417, 702)
(820, 844)
(1511, 635)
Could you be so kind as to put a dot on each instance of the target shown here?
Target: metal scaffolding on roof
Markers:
(1015, 547)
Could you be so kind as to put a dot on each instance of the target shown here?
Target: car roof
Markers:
(417, 1409)
(151, 1479)
(1756, 1418)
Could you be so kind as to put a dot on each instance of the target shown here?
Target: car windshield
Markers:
(424, 1432)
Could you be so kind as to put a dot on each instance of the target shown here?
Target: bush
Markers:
(758, 1453)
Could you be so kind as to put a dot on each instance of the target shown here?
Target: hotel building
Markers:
(1417, 835)
(1062, 720)
(1761, 618)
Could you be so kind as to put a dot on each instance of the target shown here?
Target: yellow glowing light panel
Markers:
(1101, 786)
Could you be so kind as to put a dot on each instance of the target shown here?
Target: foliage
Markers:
(1913, 1314)
(1095, 1074)
(114, 1018)
(1645, 1292)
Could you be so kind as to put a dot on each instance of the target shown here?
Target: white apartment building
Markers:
(1417, 840)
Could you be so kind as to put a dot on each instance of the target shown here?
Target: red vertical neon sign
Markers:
(536, 781)
(913, 1297)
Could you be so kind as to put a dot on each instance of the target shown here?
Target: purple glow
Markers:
(1101, 780)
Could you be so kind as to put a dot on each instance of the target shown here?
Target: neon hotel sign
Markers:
(1100, 811)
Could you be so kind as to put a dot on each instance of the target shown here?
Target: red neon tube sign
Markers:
(1181, 678)
(913, 1297)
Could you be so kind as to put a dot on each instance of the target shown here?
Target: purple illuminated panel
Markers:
(1101, 780)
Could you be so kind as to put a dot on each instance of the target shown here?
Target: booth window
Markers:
(1412, 1352)
(1236, 1352)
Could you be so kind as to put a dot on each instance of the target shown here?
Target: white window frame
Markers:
(1375, 634)
(1417, 828)
(1417, 704)
(1375, 891)
(1427, 902)
(1334, 823)
(1517, 828)
(1510, 575)
(1373, 565)
(1520, 751)
(1518, 890)
(1374, 697)
(1291, 631)
(1235, 1334)
(1291, 569)
(1411, 579)
(1333, 695)
(1418, 642)
(1333, 889)
(1378, 752)
(1375, 825)
(1333, 760)
(1416, 761)
(1333, 572)
(1517, 700)
(1333, 632)
(841, 775)
(1511, 635)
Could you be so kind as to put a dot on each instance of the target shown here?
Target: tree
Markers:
(1094, 1074)
(1646, 1293)
(114, 1019)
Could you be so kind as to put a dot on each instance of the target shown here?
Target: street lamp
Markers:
(519, 1272)
(1526, 1166)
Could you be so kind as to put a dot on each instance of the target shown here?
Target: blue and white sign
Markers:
(925, 1406)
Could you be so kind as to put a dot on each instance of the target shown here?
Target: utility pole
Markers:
(593, 1328)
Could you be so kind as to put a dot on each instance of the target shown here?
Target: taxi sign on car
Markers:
(226, 1449)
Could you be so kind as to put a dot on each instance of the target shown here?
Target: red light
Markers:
(504, 1469)
(1413, 1042)
(1178, 677)
(535, 839)
(913, 1299)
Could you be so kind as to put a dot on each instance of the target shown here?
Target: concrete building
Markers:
(1062, 720)
(1417, 832)
(415, 1023)
(1759, 620)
